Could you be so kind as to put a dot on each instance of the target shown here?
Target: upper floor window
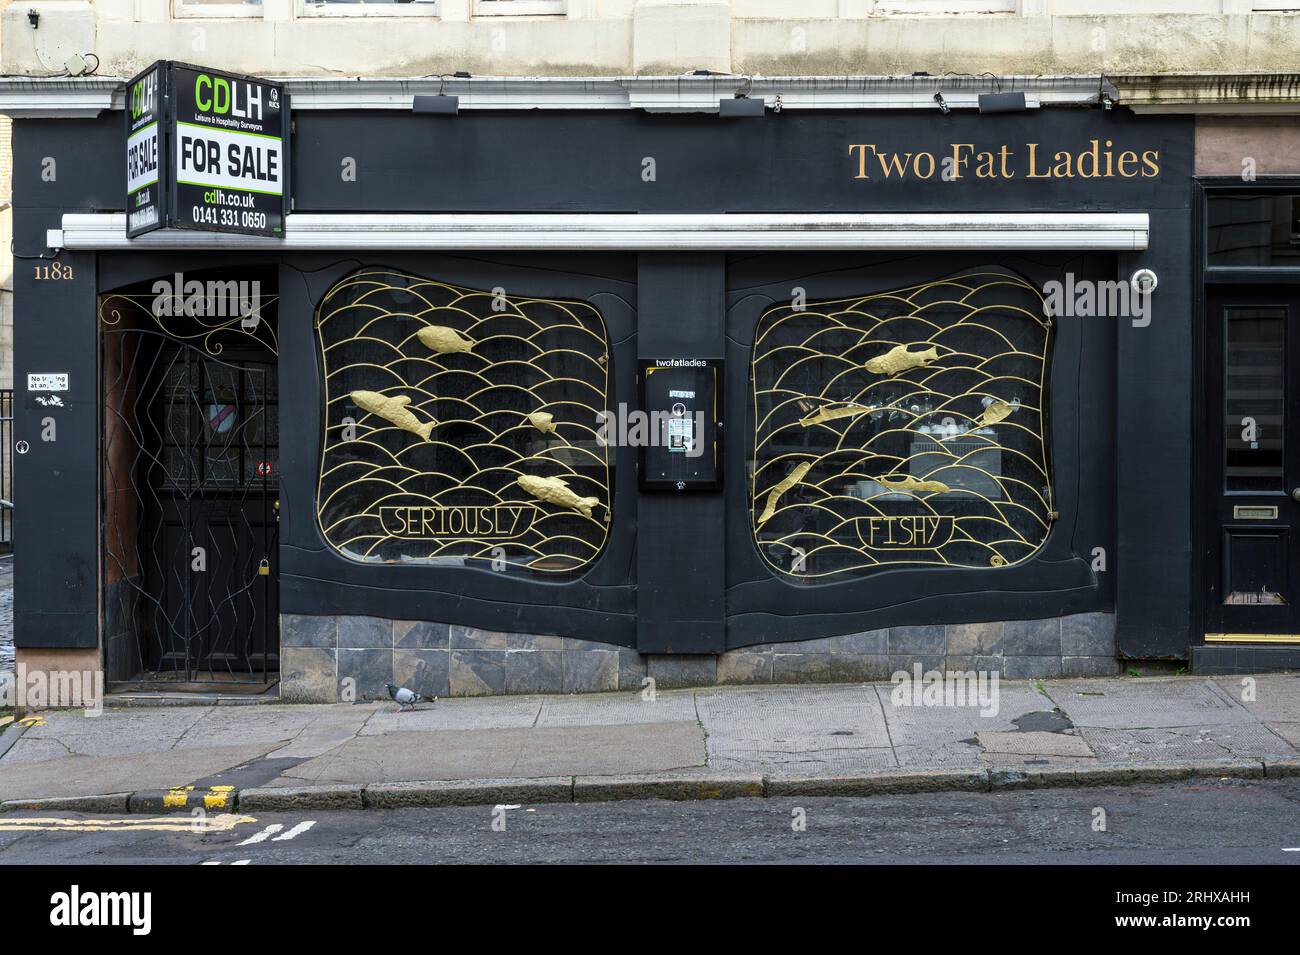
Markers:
(940, 7)
(216, 8)
(368, 8)
(518, 8)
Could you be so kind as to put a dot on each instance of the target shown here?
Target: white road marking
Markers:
(219, 862)
(262, 836)
(295, 831)
(1296, 849)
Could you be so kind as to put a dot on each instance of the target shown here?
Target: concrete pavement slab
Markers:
(607, 709)
(1034, 744)
(934, 726)
(464, 713)
(506, 753)
(1147, 703)
(1288, 731)
(305, 728)
(95, 775)
(1273, 698)
(789, 730)
(952, 754)
(112, 733)
(1185, 743)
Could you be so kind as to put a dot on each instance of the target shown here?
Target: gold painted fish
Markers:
(831, 412)
(999, 410)
(556, 491)
(444, 340)
(393, 408)
(790, 480)
(905, 482)
(543, 421)
(900, 359)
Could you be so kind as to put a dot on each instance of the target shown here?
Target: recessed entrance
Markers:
(1253, 505)
(190, 437)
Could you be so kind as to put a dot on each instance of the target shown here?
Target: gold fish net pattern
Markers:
(388, 495)
(933, 455)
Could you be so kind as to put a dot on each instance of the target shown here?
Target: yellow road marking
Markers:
(31, 721)
(223, 822)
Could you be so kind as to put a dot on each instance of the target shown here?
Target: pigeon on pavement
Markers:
(403, 696)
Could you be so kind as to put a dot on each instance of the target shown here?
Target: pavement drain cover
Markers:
(1043, 721)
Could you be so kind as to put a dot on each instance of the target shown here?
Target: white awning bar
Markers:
(62, 97)
(1126, 231)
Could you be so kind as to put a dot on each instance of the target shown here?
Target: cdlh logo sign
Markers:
(220, 96)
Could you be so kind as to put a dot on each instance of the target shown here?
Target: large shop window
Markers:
(460, 426)
(902, 428)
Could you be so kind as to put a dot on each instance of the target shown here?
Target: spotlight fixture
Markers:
(943, 105)
(1144, 281)
(1106, 101)
(438, 105)
(741, 107)
(1002, 102)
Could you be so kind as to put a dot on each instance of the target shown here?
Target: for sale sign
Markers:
(223, 152)
(144, 204)
(230, 152)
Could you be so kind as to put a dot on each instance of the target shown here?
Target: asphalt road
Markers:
(1206, 823)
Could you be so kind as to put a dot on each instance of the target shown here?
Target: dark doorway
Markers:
(190, 454)
(1252, 504)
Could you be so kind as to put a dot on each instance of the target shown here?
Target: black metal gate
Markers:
(190, 445)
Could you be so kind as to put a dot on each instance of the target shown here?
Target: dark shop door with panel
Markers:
(1253, 506)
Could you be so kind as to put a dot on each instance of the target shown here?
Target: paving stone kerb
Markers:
(673, 786)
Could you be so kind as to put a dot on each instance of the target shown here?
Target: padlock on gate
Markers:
(264, 567)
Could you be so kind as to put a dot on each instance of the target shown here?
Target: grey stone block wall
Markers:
(318, 654)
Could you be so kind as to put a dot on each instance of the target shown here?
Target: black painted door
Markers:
(210, 533)
(1253, 438)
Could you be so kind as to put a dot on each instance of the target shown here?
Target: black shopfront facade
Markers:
(412, 451)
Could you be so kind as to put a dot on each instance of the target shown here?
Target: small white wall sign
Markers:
(48, 381)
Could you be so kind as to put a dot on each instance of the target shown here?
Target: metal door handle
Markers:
(1295, 494)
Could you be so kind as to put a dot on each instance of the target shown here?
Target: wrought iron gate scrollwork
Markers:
(189, 461)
